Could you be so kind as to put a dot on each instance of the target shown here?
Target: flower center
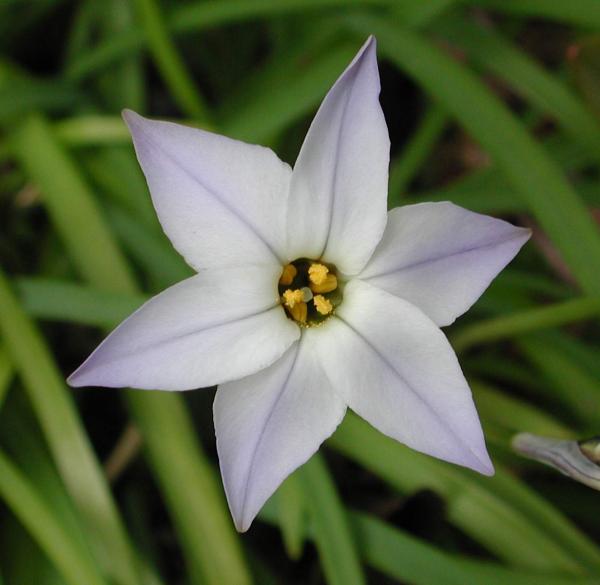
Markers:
(309, 291)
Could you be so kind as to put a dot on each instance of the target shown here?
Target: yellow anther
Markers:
(299, 311)
(292, 297)
(322, 304)
(329, 283)
(288, 275)
(317, 273)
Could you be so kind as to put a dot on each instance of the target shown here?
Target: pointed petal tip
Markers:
(76, 380)
(132, 119)
(368, 50)
(481, 463)
(242, 525)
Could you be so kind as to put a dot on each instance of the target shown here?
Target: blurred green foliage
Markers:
(492, 104)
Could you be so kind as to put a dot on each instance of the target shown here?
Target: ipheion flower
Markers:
(310, 297)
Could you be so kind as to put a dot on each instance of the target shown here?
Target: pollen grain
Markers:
(323, 305)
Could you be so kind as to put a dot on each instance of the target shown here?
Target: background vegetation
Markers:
(492, 104)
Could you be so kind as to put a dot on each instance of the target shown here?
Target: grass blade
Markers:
(532, 173)
(49, 167)
(69, 557)
(583, 13)
(527, 321)
(406, 166)
(66, 439)
(500, 513)
(212, 551)
(169, 63)
(490, 50)
(329, 525)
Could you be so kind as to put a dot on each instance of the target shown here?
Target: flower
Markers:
(310, 297)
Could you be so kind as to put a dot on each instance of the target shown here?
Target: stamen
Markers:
(321, 281)
(322, 304)
(317, 273)
(299, 312)
(328, 284)
(288, 275)
(292, 297)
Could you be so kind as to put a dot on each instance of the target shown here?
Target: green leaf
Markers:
(292, 518)
(490, 50)
(530, 170)
(211, 549)
(501, 513)
(527, 321)
(169, 63)
(403, 556)
(575, 388)
(71, 559)
(583, 13)
(329, 525)
(406, 165)
(70, 202)
(59, 300)
(66, 439)
(585, 66)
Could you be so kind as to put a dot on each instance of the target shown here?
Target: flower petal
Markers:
(220, 201)
(219, 325)
(441, 257)
(395, 368)
(269, 424)
(338, 191)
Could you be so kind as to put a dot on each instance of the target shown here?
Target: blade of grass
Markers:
(61, 300)
(526, 321)
(576, 389)
(68, 556)
(153, 252)
(124, 170)
(211, 549)
(502, 514)
(20, 94)
(583, 13)
(398, 554)
(6, 374)
(288, 92)
(292, 518)
(200, 16)
(38, 150)
(403, 556)
(406, 165)
(490, 50)
(67, 439)
(169, 63)
(123, 85)
(532, 173)
(92, 130)
(513, 414)
(330, 525)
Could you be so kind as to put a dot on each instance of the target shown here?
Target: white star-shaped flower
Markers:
(309, 296)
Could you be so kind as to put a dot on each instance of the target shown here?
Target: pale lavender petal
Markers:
(442, 257)
(394, 367)
(220, 201)
(219, 325)
(269, 424)
(338, 191)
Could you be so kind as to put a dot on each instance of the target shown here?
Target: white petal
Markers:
(269, 424)
(220, 201)
(442, 257)
(338, 192)
(217, 326)
(395, 368)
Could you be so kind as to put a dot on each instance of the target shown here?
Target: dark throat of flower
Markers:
(310, 291)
